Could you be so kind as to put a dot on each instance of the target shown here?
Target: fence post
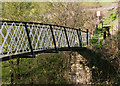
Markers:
(11, 80)
(87, 36)
(104, 35)
(29, 39)
(67, 38)
(53, 38)
(108, 31)
(79, 37)
(18, 61)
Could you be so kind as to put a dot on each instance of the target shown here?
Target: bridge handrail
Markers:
(40, 24)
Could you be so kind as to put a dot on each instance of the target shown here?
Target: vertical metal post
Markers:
(79, 37)
(67, 38)
(104, 35)
(87, 36)
(108, 31)
(53, 38)
(11, 72)
(29, 39)
(18, 61)
(12, 78)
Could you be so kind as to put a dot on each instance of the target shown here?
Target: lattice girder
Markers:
(22, 37)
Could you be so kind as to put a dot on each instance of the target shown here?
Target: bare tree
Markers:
(72, 14)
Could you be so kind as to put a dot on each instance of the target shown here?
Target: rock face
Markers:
(79, 72)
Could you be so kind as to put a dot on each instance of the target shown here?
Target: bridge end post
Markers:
(87, 37)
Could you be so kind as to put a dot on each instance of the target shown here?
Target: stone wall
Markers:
(79, 73)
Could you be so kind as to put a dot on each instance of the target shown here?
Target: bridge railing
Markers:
(24, 37)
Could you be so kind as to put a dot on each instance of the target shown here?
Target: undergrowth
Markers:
(44, 69)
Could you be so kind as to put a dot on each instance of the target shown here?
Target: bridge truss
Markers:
(23, 39)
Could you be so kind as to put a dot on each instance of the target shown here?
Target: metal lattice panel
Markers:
(14, 38)
(41, 37)
(60, 37)
(72, 37)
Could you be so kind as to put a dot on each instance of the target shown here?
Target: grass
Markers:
(48, 68)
